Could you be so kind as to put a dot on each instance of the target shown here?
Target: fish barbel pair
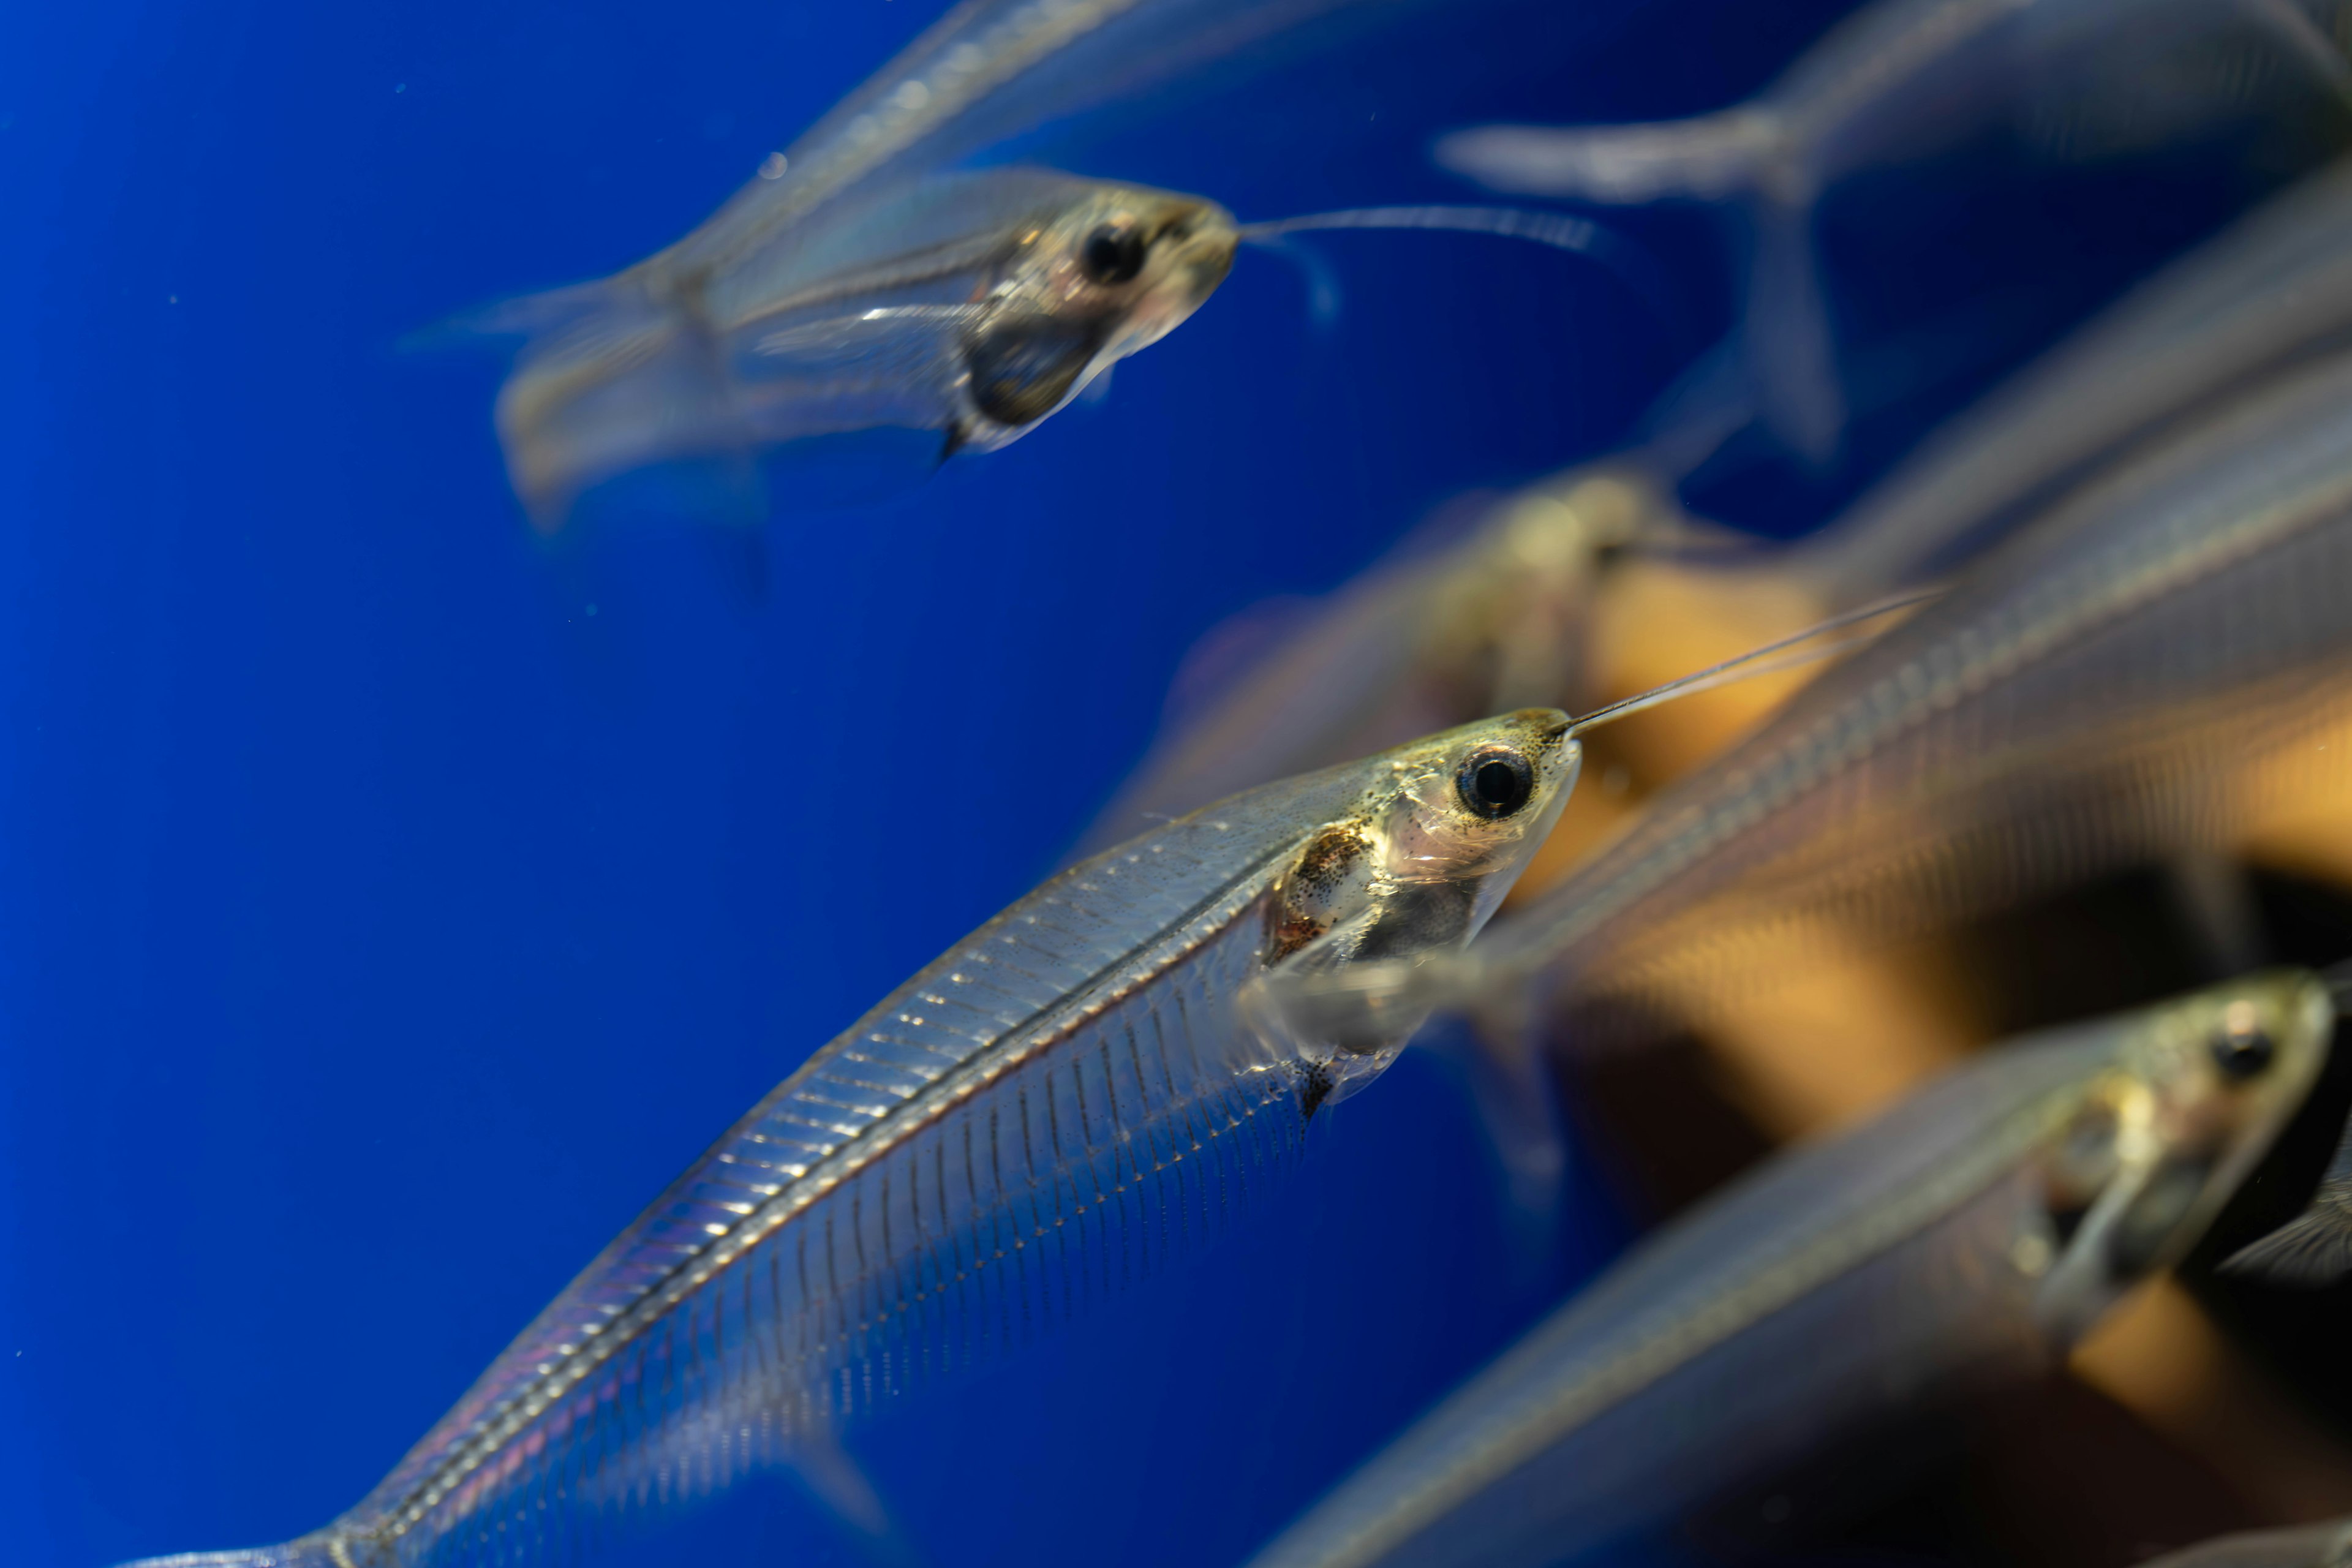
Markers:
(1501, 616)
(2157, 666)
(861, 281)
(856, 281)
(1971, 1232)
(973, 304)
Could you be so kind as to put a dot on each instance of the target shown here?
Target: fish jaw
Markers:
(1397, 888)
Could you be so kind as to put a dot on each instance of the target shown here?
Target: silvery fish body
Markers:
(755, 329)
(1898, 79)
(1493, 619)
(2273, 289)
(1973, 1231)
(1503, 616)
(1067, 1091)
(971, 304)
(2156, 668)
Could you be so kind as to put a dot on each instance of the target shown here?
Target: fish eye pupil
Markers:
(2243, 1050)
(1495, 783)
(1113, 253)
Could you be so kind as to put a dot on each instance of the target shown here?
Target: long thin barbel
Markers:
(2132, 678)
(1758, 660)
(1624, 259)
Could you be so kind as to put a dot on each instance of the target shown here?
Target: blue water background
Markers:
(389, 905)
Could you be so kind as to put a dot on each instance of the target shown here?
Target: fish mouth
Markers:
(1206, 268)
(1205, 239)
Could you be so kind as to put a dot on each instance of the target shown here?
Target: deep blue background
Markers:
(379, 928)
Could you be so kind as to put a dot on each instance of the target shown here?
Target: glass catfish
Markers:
(1904, 78)
(973, 304)
(1069, 1090)
(857, 283)
(2154, 668)
(1978, 1229)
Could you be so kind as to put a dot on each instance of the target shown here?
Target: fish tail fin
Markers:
(1791, 355)
(1742, 155)
(2311, 1249)
(1706, 158)
(611, 376)
(318, 1550)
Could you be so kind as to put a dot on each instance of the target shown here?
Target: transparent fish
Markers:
(2158, 666)
(971, 304)
(681, 355)
(2272, 289)
(1482, 623)
(1972, 1231)
(1900, 78)
(1060, 1100)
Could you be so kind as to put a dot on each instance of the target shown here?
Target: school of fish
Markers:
(1659, 812)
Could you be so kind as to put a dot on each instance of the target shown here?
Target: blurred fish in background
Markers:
(1969, 1235)
(2099, 762)
(2073, 80)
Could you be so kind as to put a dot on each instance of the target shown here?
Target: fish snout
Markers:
(1203, 238)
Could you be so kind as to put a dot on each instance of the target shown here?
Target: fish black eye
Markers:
(2242, 1048)
(1113, 253)
(1494, 782)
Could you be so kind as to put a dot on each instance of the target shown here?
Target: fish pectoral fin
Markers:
(1356, 1003)
(840, 1485)
(2311, 1249)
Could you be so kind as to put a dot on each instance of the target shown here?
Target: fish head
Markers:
(2165, 1136)
(1108, 270)
(1409, 874)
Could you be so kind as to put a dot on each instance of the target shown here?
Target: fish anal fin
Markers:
(839, 1485)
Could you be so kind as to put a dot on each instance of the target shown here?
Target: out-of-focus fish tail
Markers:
(1791, 355)
(2314, 1249)
(1709, 158)
(612, 375)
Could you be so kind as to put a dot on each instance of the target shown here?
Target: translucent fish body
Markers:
(1972, 1231)
(1052, 1106)
(971, 304)
(2083, 78)
(2273, 290)
(1488, 621)
(2155, 667)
